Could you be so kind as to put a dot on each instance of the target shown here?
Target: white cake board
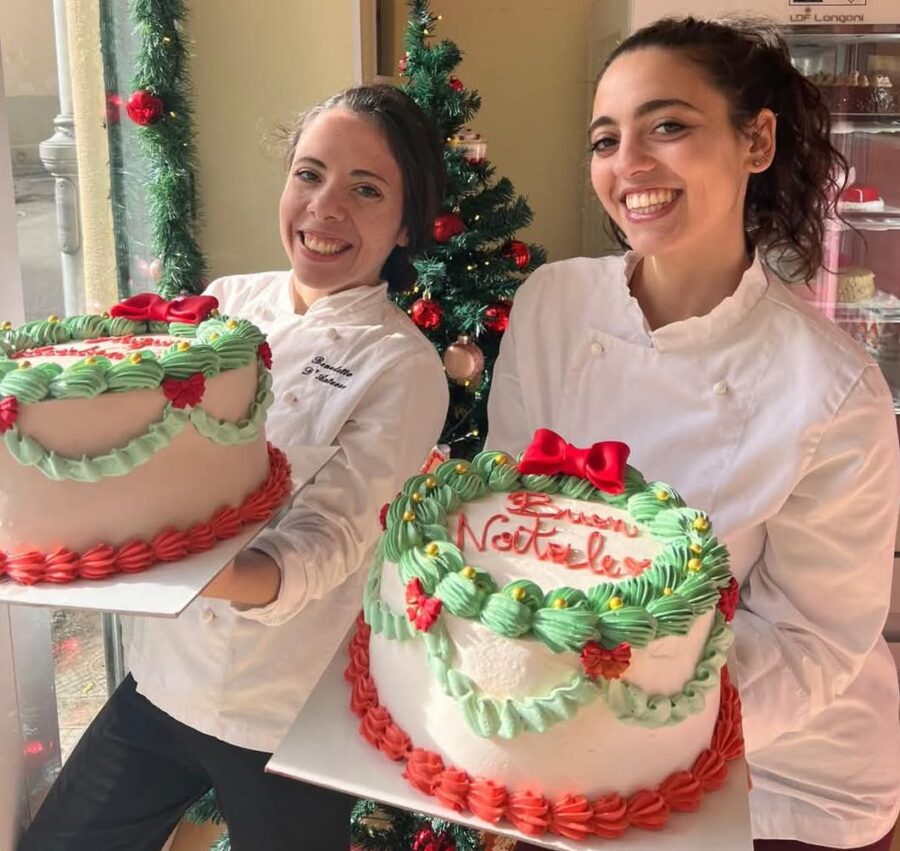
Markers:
(324, 747)
(164, 589)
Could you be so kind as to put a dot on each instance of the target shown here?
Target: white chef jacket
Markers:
(243, 676)
(766, 415)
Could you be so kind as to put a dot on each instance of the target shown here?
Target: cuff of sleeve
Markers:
(290, 595)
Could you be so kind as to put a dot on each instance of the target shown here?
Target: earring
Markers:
(757, 163)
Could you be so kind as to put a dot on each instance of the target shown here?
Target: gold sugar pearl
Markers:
(667, 592)
(662, 496)
(24, 364)
(183, 346)
(231, 324)
(519, 594)
(104, 315)
(559, 603)
(90, 360)
(135, 358)
(501, 460)
(461, 468)
(53, 319)
(431, 483)
(409, 516)
(214, 313)
(701, 524)
(694, 565)
(6, 326)
(696, 548)
(417, 498)
(468, 572)
(432, 549)
(615, 603)
(214, 336)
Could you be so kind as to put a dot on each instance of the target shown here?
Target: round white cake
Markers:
(129, 441)
(540, 649)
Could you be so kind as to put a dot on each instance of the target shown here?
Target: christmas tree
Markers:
(462, 298)
(377, 828)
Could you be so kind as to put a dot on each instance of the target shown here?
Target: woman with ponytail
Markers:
(711, 155)
(212, 693)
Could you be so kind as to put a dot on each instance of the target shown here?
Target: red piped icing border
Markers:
(571, 816)
(102, 561)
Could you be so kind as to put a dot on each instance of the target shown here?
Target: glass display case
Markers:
(858, 72)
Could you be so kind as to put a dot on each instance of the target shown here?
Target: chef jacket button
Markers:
(720, 388)
(331, 334)
(290, 398)
(597, 348)
(208, 615)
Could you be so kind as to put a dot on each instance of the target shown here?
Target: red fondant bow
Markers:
(602, 464)
(149, 307)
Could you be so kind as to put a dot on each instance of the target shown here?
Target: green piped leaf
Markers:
(629, 623)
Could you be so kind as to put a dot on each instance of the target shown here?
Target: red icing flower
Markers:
(264, 350)
(188, 392)
(9, 412)
(382, 515)
(423, 770)
(422, 610)
(648, 810)
(728, 599)
(610, 816)
(572, 816)
(609, 664)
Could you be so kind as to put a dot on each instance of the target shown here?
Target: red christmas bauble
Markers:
(464, 362)
(144, 108)
(496, 316)
(426, 313)
(403, 63)
(455, 84)
(426, 839)
(518, 252)
(446, 226)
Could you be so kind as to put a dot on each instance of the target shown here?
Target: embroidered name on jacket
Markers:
(327, 373)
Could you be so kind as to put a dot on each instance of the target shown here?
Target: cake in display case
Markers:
(858, 72)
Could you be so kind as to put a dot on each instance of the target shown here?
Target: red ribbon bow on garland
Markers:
(421, 609)
(9, 412)
(609, 664)
(602, 464)
(149, 307)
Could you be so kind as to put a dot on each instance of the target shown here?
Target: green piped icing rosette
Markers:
(683, 582)
(207, 345)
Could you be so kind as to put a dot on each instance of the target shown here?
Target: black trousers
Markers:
(136, 771)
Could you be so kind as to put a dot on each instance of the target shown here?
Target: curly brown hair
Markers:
(747, 61)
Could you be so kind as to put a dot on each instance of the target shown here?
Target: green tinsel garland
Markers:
(168, 144)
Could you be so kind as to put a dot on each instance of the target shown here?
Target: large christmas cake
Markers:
(543, 641)
(131, 438)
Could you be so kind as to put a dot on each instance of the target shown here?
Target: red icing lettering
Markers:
(536, 540)
(525, 504)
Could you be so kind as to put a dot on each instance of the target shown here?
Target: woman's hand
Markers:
(252, 579)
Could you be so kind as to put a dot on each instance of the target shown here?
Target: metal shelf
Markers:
(844, 124)
(818, 35)
(873, 220)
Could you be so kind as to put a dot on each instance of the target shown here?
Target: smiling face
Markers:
(667, 163)
(342, 206)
